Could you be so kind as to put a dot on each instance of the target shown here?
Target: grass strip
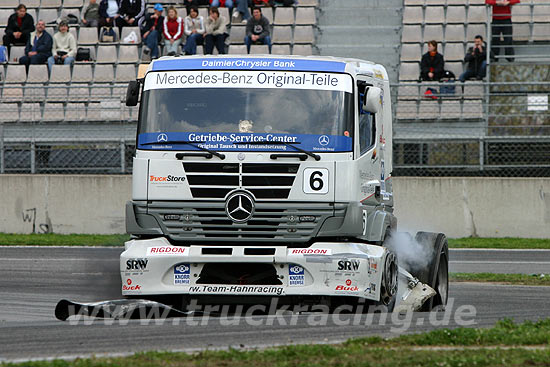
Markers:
(500, 243)
(372, 351)
(53, 239)
(517, 279)
(316, 355)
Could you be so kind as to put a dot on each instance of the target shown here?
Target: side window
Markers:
(367, 123)
(367, 131)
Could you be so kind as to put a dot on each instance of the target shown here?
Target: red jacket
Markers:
(173, 28)
(501, 12)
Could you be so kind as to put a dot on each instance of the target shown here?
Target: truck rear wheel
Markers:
(436, 273)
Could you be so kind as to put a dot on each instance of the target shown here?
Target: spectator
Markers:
(502, 25)
(194, 29)
(39, 46)
(173, 31)
(151, 31)
(108, 12)
(131, 13)
(20, 25)
(216, 32)
(189, 3)
(242, 10)
(90, 16)
(64, 47)
(257, 30)
(476, 57)
(222, 4)
(432, 64)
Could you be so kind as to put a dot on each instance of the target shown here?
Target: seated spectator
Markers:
(131, 13)
(432, 64)
(242, 10)
(173, 31)
(222, 4)
(216, 32)
(151, 31)
(90, 16)
(20, 25)
(189, 3)
(257, 30)
(64, 47)
(39, 46)
(194, 29)
(108, 12)
(476, 57)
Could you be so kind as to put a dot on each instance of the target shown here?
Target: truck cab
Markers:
(303, 143)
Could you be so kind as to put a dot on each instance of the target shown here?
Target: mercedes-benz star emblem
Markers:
(239, 206)
(324, 140)
(162, 138)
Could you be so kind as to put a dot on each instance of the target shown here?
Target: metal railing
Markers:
(485, 129)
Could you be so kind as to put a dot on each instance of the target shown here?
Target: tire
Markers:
(389, 303)
(436, 273)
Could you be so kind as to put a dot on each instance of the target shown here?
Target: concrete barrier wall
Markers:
(459, 207)
(473, 206)
(63, 204)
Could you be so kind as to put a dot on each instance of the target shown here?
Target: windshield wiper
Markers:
(313, 155)
(192, 143)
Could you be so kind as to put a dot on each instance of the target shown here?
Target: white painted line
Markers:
(501, 262)
(53, 259)
(499, 249)
(64, 247)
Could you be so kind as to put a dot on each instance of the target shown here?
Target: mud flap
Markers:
(117, 309)
(415, 296)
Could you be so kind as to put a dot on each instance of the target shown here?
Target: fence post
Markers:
(2, 167)
(122, 156)
(33, 156)
(481, 152)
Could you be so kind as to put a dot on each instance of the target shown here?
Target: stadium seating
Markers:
(454, 24)
(81, 92)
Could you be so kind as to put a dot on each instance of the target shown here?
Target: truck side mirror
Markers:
(372, 99)
(132, 94)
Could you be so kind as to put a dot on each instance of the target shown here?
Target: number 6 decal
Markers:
(316, 181)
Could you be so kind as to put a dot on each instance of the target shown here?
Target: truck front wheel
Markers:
(436, 274)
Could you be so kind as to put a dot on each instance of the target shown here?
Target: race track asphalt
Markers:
(33, 280)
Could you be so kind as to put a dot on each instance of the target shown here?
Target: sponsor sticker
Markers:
(310, 251)
(131, 286)
(349, 265)
(248, 79)
(263, 290)
(182, 274)
(167, 251)
(296, 276)
(348, 287)
(224, 141)
(169, 179)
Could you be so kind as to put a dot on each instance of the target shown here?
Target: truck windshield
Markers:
(268, 113)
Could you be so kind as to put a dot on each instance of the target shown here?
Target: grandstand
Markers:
(74, 120)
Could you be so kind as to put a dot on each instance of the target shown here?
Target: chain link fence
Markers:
(482, 129)
(66, 130)
(496, 129)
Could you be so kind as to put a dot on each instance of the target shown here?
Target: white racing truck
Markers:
(260, 176)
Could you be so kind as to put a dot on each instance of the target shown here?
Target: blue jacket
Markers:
(43, 44)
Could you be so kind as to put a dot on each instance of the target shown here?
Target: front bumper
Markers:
(155, 267)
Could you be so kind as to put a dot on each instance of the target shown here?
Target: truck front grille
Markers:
(203, 221)
(216, 180)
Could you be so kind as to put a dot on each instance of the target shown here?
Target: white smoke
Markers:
(411, 254)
